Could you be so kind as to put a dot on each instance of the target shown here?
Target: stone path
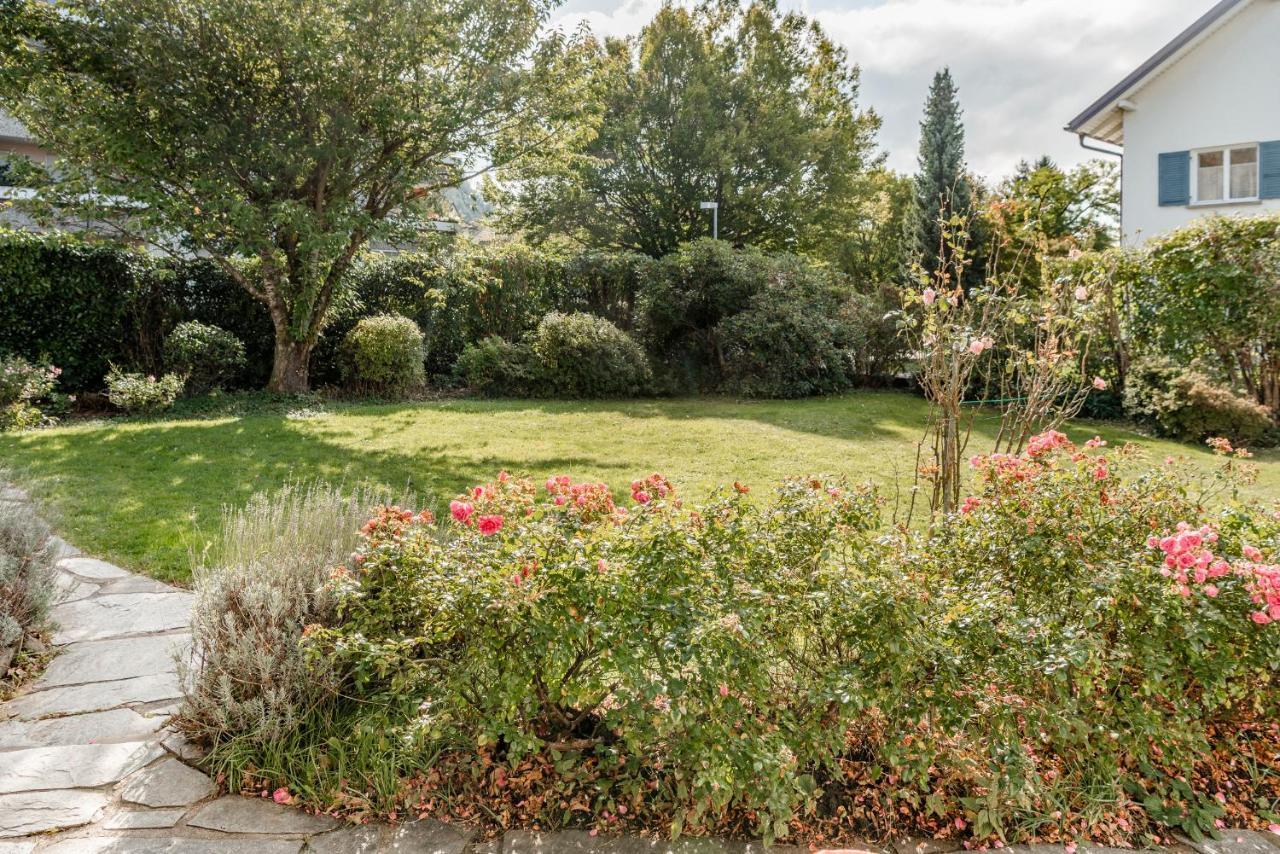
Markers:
(87, 765)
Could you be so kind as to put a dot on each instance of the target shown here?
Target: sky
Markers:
(1024, 68)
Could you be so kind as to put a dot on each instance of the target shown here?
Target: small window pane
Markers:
(1209, 176)
(1244, 173)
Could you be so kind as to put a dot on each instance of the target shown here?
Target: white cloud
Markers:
(1023, 67)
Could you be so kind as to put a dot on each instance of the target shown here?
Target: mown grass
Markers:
(145, 493)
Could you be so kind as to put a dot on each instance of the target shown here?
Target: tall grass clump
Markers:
(258, 586)
(27, 555)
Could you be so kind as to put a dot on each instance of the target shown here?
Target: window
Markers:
(1226, 174)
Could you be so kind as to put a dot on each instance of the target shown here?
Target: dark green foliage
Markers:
(583, 356)
(383, 354)
(79, 306)
(200, 290)
(496, 367)
(942, 187)
(210, 357)
(731, 320)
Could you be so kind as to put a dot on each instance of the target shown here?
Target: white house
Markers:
(1198, 123)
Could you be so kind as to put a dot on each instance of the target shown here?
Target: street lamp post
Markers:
(714, 207)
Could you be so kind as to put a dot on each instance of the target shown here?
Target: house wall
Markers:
(1224, 91)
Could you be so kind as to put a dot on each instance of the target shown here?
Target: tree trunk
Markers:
(289, 372)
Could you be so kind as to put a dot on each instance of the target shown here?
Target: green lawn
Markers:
(145, 493)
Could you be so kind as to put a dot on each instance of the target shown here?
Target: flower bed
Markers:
(1085, 652)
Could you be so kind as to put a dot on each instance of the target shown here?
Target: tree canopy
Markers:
(285, 133)
(743, 106)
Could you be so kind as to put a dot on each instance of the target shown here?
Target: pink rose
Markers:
(1099, 383)
(281, 795)
(929, 296)
(488, 525)
(460, 510)
(1082, 293)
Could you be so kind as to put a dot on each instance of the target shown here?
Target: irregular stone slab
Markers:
(142, 819)
(365, 839)
(83, 766)
(134, 584)
(575, 841)
(1239, 842)
(926, 846)
(168, 783)
(71, 588)
(117, 725)
(109, 660)
(38, 812)
(96, 697)
(91, 568)
(428, 837)
(16, 846)
(233, 814)
(117, 616)
(177, 744)
(63, 549)
(170, 845)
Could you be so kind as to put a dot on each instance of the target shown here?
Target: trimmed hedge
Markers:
(81, 307)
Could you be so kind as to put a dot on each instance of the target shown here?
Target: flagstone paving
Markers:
(88, 765)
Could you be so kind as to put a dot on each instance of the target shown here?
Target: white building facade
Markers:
(1198, 123)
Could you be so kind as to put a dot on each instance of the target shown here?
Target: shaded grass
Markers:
(145, 493)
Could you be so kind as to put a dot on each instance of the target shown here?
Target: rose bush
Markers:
(1083, 651)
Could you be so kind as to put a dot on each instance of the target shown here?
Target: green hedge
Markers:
(80, 306)
(711, 317)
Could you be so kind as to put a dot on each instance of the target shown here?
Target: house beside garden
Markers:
(1198, 122)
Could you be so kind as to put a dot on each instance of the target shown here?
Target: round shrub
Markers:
(495, 367)
(584, 356)
(23, 384)
(784, 347)
(383, 354)
(1185, 404)
(138, 394)
(210, 357)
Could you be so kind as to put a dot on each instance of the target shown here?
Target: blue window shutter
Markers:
(1175, 178)
(1269, 170)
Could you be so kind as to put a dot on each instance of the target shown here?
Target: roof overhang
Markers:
(1104, 119)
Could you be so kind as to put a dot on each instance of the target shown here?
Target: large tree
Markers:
(943, 191)
(279, 137)
(738, 105)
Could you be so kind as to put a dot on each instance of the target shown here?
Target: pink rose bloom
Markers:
(488, 525)
(1260, 618)
(1252, 553)
(1099, 383)
(641, 496)
(929, 296)
(281, 795)
(460, 510)
(976, 347)
(1211, 590)
(724, 690)
(1082, 293)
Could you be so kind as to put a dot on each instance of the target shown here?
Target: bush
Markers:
(791, 341)
(247, 680)
(495, 367)
(583, 356)
(1185, 404)
(23, 385)
(791, 665)
(136, 394)
(27, 555)
(383, 354)
(208, 356)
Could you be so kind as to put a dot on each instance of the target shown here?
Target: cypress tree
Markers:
(942, 187)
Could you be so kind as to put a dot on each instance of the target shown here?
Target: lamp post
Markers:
(714, 207)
